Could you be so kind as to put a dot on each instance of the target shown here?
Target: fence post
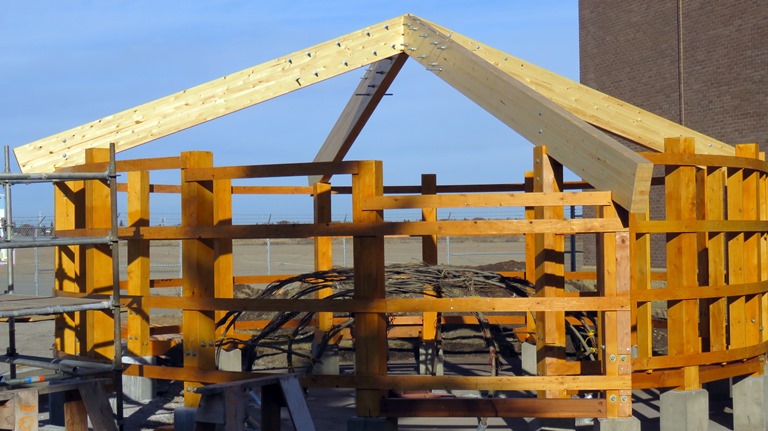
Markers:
(223, 267)
(323, 248)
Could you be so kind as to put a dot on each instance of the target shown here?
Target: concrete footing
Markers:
(138, 388)
(431, 359)
(357, 423)
(750, 398)
(684, 410)
(552, 424)
(230, 359)
(328, 363)
(528, 358)
(617, 424)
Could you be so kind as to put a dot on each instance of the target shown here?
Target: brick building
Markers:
(700, 63)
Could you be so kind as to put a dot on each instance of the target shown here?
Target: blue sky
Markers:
(68, 63)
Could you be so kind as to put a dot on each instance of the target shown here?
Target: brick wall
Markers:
(713, 79)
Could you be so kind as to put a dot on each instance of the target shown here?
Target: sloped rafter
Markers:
(586, 151)
(168, 115)
(594, 107)
(368, 93)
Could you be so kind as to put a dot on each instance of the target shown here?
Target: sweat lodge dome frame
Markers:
(715, 226)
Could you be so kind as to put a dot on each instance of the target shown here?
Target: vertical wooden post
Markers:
(99, 325)
(138, 263)
(751, 211)
(550, 271)
(69, 204)
(323, 250)
(763, 206)
(370, 328)
(429, 256)
(640, 250)
(197, 270)
(682, 315)
(530, 259)
(737, 335)
(716, 310)
(223, 268)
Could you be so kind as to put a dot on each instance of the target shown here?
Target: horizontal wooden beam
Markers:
(677, 159)
(589, 153)
(691, 226)
(415, 228)
(701, 292)
(271, 171)
(599, 109)
(487, 200)
(391, 305)
(368, 93)
(214, 99)
(153, 164)
(494, 407)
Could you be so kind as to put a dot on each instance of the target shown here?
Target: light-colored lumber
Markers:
(597, 108)
(216, 98)
(586, 151)
(702, 160)
(138, 263)
(268, 171)
(368, 93)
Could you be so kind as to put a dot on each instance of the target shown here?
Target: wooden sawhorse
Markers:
(226, 404)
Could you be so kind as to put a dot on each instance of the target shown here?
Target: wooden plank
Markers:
(223, 266)
(696, 226)
(702, 292)
(683, 315)
(640, 249)
(530, 256)
(429, 326)
(216, 98)
(323, 247)
(703, 358)
(138, 263)
(587, 152)
(368, 93)
(99, 332)
(271, 190)
(752, 261)
(549, 271)
(153, 164)
(296, 403)
(394, 305)
(707, 160)
(370, 328)
(494, 407)
(270, 171)
(735, 247)
(442, 228)
(25, 410)
(197, 199)
(552, 199)
(97, 406)
(600, 109)
(715, 210)
(68, 199)
(763, 206)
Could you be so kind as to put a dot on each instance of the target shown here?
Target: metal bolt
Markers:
(309, 54)
(290, 61)
(189, 388)
(210, 343)
(338, 43)
(375, 53)
(315, 73)
(441, 47)
(623, 358)
(386, 26)
(435, 43)
(541, 131)
(423, 35)
(368, 33)
(602, 347)
(623, 398)
(753, 320)
(612, 358)
(613, 398)
(202, 344)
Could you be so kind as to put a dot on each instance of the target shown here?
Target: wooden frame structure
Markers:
(716, 228)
